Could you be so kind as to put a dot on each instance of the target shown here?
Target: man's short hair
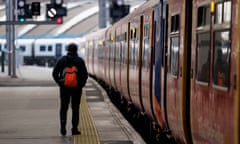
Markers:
(72, 47)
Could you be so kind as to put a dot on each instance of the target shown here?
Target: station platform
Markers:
(29, 112)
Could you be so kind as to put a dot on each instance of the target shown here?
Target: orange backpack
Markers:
(70, 76)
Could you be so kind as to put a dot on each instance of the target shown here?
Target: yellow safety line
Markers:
(87, 127)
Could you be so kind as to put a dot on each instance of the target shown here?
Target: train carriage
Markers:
(95, 53)
(177, 62)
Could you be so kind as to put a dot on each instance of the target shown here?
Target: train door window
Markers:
(22, 48)
(133, 46)
(112, 49)
(174, 45)
(58, 51)
(221, 58)
(100, 50)
(203, 57)
(174, 54)
(124, 41)
(42, 48)
(223, 12)
(135, 50)
(146, 45)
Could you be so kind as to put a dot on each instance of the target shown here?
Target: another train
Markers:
(41, 52)
(178, 63)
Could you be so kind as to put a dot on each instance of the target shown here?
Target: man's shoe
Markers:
(63, 131)
(75, 132)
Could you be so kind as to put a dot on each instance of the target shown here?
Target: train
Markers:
(177, 63)
(39, 51)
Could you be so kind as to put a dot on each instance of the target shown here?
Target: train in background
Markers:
(177, 63)
(41, 52)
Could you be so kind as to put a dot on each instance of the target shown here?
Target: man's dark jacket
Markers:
(71, 59)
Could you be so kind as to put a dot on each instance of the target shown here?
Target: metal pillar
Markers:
(10, 33)
(102, 14)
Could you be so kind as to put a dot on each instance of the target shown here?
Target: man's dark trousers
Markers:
(65, 95)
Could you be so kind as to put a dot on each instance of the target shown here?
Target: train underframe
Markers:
(46, 61)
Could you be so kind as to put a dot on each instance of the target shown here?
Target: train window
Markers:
(133, 47)
(101, 49)
(146, 30)
(49, 48)
(221, 58)
(223, 12)
(146, 53)
(203, 16)
(124, 48)
(42, 48)
(175, 23)
(146, 46)
(22, 48)
(118, 48)
(174, 54)
(203, 56)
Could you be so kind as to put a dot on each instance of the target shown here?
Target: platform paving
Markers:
(29, 111)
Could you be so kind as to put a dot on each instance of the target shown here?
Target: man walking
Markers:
(72, 93)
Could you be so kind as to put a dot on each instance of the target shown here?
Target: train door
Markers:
(125, 62)
(213, 78)
(148, 64)
(58, 52)
(135, 50)
(164, 45)
(117, 69)
(178, 75)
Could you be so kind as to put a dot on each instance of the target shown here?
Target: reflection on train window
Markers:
(118, 38)
(112, 50)
(146, 53)
(223, 12)
(100, 50)
(42, 48)
(203, 16)
(22, 48)
(124, 47)
(133, 47)
(221, 58)
(174, 54)
(146, 45)
(203, 56)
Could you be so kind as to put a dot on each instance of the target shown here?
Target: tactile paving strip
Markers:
(88, 130)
